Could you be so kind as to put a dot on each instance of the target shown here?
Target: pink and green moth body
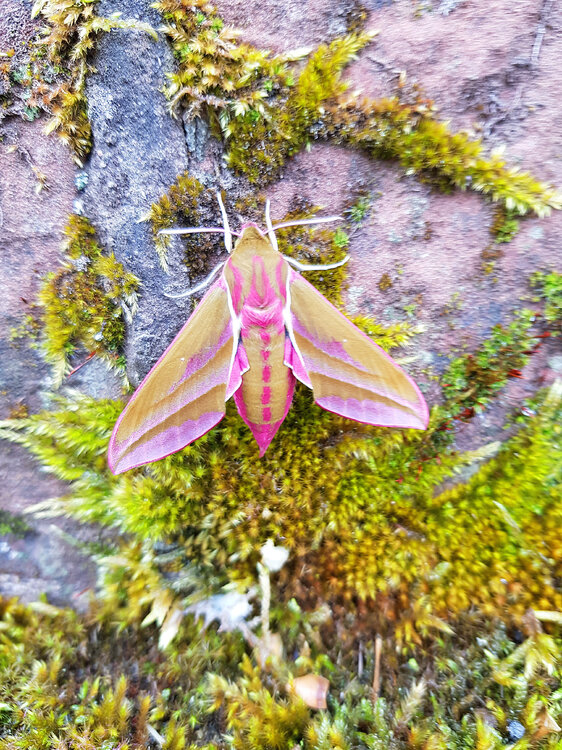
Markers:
(259, 329)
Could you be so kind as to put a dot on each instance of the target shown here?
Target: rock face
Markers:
(492, 68)
(138, 152)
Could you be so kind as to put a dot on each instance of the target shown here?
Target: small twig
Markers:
(377, 674)
(360, 660)
(265, 601)
(85, 362)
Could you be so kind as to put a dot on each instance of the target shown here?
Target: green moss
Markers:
(84, 301)
(549, 288)
(359, 210)
(215, 76)
(15, 524)
(266, 114)
(389, 129)
(72, 682)
(79, 683)
(505, 224)
(355, 505)
(258, 147)
(186, 204)
(472, 379)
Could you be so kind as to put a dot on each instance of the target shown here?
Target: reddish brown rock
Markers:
(491, 68)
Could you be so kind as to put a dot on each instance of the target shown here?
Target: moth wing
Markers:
(184, 394)
(349, 374)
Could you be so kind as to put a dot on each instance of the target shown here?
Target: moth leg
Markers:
(269, 225)
(195, 230)
(305, 267)
(200, 286)
(304, 222)
(227, 232)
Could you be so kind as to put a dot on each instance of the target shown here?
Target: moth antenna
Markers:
(227, 232)
(304, 267)
(303, 222)
(200, 286)
(269, 225)
(195, 230)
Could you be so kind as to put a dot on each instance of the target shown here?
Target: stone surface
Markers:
(138, 152)
(491, 68)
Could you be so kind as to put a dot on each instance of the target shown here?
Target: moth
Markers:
(258, 329)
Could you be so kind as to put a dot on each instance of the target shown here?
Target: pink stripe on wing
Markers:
(371, 412)
(199, 360)
(217, 378)
(240, 365)
(167, 442)
(332, 348)
(293, 360)
(380, 388)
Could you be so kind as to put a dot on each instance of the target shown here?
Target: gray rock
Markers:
(138, 152)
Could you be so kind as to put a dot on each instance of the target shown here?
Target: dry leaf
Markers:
(546, 725)
(170, 627)
(312, 688)
(160, 606)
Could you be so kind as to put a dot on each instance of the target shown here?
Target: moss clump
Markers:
(215, 76)
(390, 129)
(472, 379)
(60, 688)
(355, 505)
(266, 113)
(505, 224)
(187, 203)
(74, 683)
(549, 287)
(259, 146)
(460, 702)
(85, 301)
(13, 524)
(385, 282)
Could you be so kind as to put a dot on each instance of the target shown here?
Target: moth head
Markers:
(251, 231)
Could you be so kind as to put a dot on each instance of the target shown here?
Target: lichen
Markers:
(86, 301)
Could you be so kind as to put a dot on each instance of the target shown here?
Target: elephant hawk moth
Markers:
(258, 329)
